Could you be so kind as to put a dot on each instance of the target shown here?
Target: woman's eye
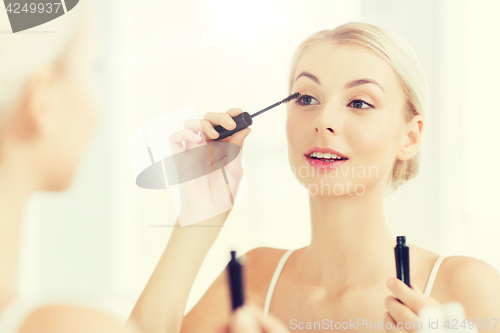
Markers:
(360, 102)
(306, 100)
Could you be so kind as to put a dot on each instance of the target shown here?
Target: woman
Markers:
(47, 114)
(363, 101)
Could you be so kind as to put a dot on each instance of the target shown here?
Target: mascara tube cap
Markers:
(243, 120)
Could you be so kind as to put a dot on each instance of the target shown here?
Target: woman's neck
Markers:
(350, 241)
(15, 190)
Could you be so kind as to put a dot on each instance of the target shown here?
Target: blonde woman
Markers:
(47, 113)
(364, 102)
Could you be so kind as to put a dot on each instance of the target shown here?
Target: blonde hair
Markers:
(397, 53)
(22, 53)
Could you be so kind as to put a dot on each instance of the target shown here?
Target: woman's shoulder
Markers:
(63, 318)
(465, 271)
(458, 271)
(260, 265)
(212, 309)
(262, 261)
(472, 282)
(263, 256)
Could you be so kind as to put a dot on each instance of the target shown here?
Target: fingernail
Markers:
(214, 132)
(390, 282)
(230, 122)
(197, 137)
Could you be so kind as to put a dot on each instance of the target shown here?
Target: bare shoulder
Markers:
(472, 282)
(60, 318)
(260, 264)
(213, 309)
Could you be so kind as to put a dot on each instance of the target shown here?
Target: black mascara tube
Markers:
(245, 119)
(402, 254)
(235, 281)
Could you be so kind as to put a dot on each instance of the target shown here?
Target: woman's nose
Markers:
(325, 129)
(325, 122)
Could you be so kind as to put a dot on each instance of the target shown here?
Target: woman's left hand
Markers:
(406, 312)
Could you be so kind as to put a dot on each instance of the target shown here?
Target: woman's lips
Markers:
(317, 163)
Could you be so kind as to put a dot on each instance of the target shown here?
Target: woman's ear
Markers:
(412, 137)
(35, 114)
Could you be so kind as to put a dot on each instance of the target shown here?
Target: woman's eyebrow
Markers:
(309, 75)
(348, 85)
(363, 81)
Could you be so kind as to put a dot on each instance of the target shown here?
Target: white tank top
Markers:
(13, 315)
(287, 254)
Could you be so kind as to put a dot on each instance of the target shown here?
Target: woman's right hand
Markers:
(207, 196)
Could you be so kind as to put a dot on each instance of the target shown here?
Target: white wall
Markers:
(100, 241)
(480, 159)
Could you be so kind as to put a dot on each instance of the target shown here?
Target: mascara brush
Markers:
(243, 120)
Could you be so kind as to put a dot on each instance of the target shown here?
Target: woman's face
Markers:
(75, 111)
(363, 122)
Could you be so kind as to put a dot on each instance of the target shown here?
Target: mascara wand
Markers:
(243, 120)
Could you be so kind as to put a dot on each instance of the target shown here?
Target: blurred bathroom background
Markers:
(99, 241)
